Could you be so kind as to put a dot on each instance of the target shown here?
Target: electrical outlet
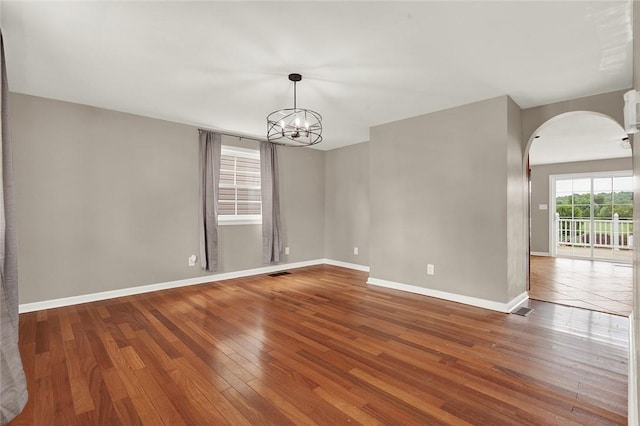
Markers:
(355, 251)
(192, 260)
(431, 270)
(286, 250)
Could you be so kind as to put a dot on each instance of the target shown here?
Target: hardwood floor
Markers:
(594, 285)
(318, 346)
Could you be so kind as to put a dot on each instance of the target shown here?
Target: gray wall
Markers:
(517, 264)
(347, 204)
(108, 200)
(302, 189)
(439, 194)
(540, 192)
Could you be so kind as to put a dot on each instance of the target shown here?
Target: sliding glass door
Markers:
(593, 215)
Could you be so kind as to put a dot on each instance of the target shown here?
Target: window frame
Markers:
(254, 219)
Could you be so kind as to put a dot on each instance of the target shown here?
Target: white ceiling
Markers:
(224, 65)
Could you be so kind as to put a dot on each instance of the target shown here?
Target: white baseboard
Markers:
(632, 386)
(93, 297)
(539, 253)
(347, 265)
(517, 301)
(467, 300)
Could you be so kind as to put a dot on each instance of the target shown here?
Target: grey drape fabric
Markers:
(271, 229)
(13, 386)
(210, 148)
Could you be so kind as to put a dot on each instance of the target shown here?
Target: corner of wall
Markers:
(347, 206)
(516, 204)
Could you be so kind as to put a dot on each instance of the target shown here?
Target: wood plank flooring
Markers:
(318, 346)
(589, 284)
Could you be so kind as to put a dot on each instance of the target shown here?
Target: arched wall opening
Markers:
(609, 104)
(609, 157)
(551, 121)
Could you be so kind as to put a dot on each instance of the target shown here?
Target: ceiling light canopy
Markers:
(294, 126)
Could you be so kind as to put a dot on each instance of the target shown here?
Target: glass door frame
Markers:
(552, 206)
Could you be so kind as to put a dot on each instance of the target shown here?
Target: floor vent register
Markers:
(523, 312)
(277, 274)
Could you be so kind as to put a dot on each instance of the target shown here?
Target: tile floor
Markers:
(594, 285)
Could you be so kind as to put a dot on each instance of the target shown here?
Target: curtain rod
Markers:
(234, 135)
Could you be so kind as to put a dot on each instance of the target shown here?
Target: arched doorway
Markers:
(580, 203)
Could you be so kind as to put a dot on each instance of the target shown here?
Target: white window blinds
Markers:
(240, 199)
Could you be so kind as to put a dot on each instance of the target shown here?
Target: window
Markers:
(239, 201)
(593, 215)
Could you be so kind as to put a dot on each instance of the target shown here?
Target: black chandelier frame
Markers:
(295, 127)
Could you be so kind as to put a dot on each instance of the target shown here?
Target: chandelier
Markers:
(294, 126)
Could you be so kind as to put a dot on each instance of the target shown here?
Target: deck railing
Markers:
(613, 233)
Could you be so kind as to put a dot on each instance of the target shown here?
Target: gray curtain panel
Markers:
(210, 148)
(271, 228)
(13, 386)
